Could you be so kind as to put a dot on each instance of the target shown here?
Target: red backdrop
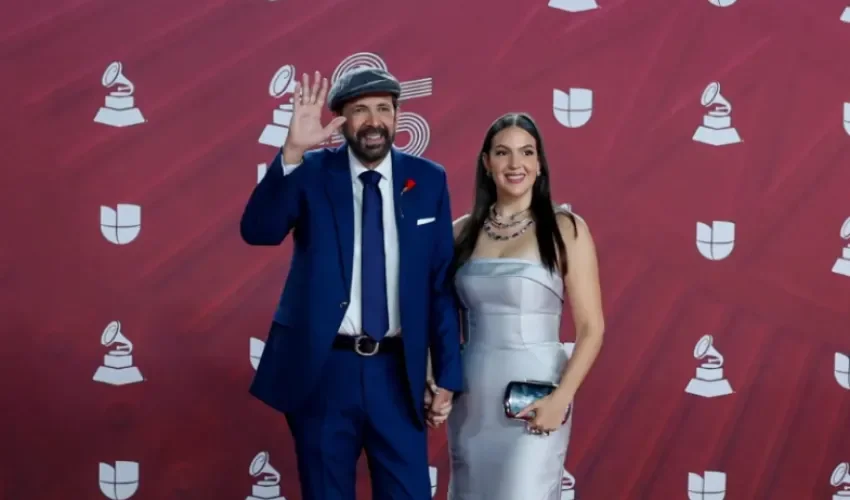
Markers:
(190, 294)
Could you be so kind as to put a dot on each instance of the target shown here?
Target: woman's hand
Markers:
(438, 404)
(547, 413)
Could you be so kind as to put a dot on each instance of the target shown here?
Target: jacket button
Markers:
(343, 305)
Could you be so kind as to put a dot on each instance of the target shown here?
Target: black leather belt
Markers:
(367, 346)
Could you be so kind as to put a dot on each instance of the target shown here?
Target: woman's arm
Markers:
(582, 287)
(457, 225)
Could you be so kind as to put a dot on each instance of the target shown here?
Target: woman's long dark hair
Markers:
(550, 243)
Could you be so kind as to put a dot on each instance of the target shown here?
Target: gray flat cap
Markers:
(361, 81)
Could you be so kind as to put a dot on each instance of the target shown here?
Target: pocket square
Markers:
(426, 220)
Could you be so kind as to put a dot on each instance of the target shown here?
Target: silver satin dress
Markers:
(511, 332)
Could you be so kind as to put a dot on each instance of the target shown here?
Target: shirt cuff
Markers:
(287, 169)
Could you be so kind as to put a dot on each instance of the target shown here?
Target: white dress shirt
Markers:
(351, 322)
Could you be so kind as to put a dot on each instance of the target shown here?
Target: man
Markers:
(367, 293)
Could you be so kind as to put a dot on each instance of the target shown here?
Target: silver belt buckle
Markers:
(359, 351)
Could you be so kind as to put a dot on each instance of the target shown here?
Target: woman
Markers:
(517, 256)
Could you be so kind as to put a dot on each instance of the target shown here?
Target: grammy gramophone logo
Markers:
(267, 485)
(119, 108)
(716, 128)
(842, 263)
(414, 126)
(283, 83)
(709, 381)
(117, 368)
(840, 478)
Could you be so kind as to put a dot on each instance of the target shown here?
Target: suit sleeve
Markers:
(274, 206)
(444, 332)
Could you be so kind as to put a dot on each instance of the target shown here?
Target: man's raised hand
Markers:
(305, 129)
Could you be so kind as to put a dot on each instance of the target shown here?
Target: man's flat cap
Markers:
(361, 81)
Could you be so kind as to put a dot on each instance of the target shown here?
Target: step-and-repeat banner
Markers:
(706, 142)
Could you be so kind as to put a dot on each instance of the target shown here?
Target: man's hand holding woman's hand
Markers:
(438, 404)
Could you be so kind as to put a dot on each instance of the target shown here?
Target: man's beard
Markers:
(365, 152)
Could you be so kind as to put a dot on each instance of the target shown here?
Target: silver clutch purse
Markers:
(520, 394)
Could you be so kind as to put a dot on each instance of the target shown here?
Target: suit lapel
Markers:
(400, 176)
(399, 180)
(341, 197)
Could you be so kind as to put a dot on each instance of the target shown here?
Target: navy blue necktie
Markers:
(375, 315)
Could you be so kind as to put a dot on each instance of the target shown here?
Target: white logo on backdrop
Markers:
(122, 224)
(255, 351)
(282, 83)
(119, 482)
(414, 125)
(717, 241)
(842, 264)
(709, 381)
(573, 5)
(267, 486)
(722, 3)
(573, 108)
(117, 368)
(568, 484)
(842, 370)
(262, 168)
(847, 115)
(841, 476)
(845, 15)
(710, 486)
(432, 473)
(119, 108)
(716, 128)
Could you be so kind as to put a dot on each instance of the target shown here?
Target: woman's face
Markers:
(513, 163)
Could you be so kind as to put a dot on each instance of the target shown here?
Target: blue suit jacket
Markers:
(315, 202)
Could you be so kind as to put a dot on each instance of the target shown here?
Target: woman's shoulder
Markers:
(565, 209)
(569, 222)
(459, 224)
